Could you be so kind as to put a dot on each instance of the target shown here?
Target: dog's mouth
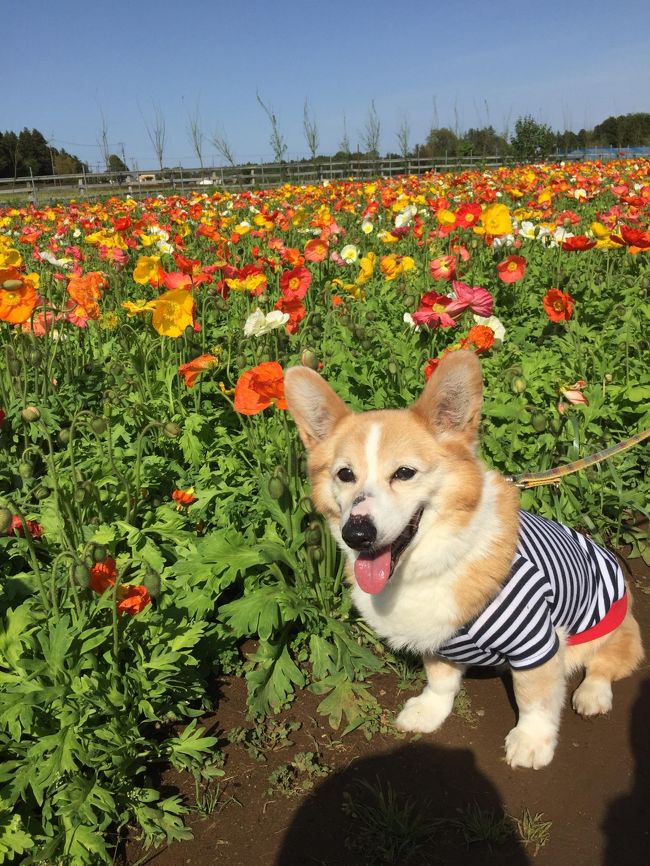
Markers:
(373, 568)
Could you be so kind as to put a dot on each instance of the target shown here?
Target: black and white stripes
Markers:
(558, 578)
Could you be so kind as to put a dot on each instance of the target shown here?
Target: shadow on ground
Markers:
(627, 823)
(433, 799)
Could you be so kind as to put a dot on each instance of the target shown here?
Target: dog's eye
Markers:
(346, 475)
(403, 473)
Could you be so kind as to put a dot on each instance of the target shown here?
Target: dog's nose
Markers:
(359, 532)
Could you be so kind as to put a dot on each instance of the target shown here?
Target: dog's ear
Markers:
(451, 401)
(314, 405)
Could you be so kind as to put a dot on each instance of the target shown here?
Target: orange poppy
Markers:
(315, 250)
(132, 598)
(102, 575)
(17, 296)
(191, 371)
(184, 498)
(259, 388)
(480, 338)
(558, 305)
(85, 290)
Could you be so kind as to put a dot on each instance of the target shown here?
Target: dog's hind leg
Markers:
(605, 660)
(426, 712)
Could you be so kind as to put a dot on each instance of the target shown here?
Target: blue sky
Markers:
(66, 64)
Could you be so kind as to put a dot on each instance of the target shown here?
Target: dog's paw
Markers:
(593, 697)
(524, 749)
(424, 713)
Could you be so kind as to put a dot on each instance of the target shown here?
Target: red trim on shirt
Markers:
(612, 619)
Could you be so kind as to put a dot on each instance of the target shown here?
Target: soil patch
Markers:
(329, 800)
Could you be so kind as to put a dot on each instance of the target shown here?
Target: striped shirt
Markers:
(558, 578)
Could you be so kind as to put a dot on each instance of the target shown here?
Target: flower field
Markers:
(154, 508)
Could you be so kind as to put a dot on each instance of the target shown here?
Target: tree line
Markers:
(29, 150)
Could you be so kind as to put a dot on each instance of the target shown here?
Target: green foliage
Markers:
(532, 140)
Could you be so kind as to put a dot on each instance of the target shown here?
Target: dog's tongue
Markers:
(373, 570)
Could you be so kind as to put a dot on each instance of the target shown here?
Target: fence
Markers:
(145, 183)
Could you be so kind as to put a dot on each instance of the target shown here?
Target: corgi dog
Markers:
(442, 561)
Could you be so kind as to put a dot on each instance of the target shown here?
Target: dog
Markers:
(442, 561)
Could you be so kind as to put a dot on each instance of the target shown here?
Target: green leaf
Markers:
(271, 682)
(345, 698)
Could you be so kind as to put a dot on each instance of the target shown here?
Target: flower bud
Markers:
(25, 469)
(276, 488)
(518, 385)
(100, 552)
(151, 582)
(5, 520)
(309, 359)
(172, 430)
(81, 574)
(98, 425)
(538, 422)
(11, 285)
(64, 435)
(30, 414)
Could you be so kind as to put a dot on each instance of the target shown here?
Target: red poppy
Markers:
(558, 305)
(511, 269)
(294, 307)
(467, 215)
(443, 268)
(433, 311)
(635, 237)
(315, 250)
(577, 243)
(294, 283)
(430, 367)
(35, 529)
(259, 388)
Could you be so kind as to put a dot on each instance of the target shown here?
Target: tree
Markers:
(345, 141)
(9, 155)
(221, 143)
(484, 142)
(403, 138)
(195, 132)
(115, 164)
(441, 142)
(156, 132)
(104, 146)
(532, 140)
(311, 130)
(66, 163)
(371, 132)
(277, 141)
(626, 130)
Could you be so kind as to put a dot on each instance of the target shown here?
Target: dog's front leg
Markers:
(426, 712)
(540, 695)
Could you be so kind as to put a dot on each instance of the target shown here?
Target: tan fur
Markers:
(469, 517)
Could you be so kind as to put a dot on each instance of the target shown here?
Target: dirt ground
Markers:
(596, 793)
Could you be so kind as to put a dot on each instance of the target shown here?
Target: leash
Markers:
(552, 476)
